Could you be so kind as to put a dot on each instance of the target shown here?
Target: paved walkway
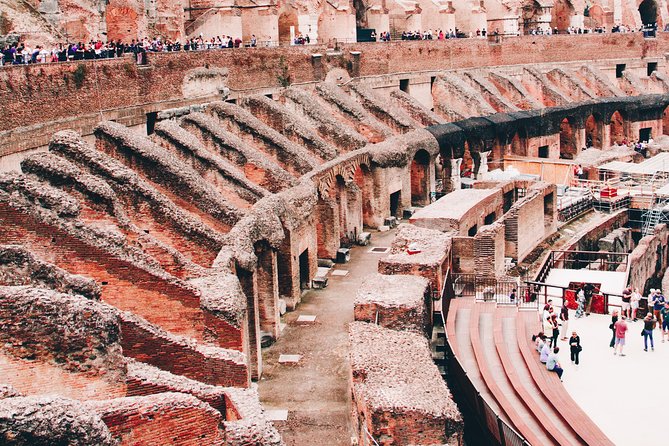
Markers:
(315, 391)
(625, 396)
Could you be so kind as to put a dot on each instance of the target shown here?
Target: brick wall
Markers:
(39, 94)
(649, 259)
(180, 356)
(165, 419)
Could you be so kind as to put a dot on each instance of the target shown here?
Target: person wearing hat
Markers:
(574, 347)
(658, 304)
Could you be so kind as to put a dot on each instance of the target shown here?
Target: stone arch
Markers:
(286, 20)
(420, 178)
(594, 130)
(648, 12)
(596, 16)
(562, 13)
(617, 125)
(568, 148)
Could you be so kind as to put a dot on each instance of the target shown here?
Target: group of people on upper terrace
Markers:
(21, 53)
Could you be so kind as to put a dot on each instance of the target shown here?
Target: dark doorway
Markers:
(151, 119)
(304, 269)
(648, 12)
(472, 231)
(395, 203)
(489, 219)
(543, 152)
(652, 66)
(620, 69)
(404, 85)
(645, 134)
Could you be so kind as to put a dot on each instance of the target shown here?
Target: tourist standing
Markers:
(612, 327)
(621, 331)
(658, 304)
(580, 300)
(634, 302)
(564, 320)
(648, 327)
(553, 363)
(575, 347)
(664, 313)
(626, 306)
(556, 329)
(588, 289)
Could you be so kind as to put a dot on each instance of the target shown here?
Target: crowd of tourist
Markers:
(20, 53)
(554, 326)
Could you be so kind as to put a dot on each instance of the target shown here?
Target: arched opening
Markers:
(286, 21)
(617, 128)
(420, 179)
(596, 17)
(648, 12)
(593, 131)
(518, 144)
(467, 165)
(248, 284)
(561, 15)
(665, 121)
(363, 179)
(568, 149)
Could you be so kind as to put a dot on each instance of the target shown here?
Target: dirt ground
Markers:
(316, 390)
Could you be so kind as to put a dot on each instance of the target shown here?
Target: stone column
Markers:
(483, 164)
(455, 173)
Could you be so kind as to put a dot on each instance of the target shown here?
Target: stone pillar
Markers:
(327, 228)
(455, 173)
(579, 137)
(317, 65)
(355, 63)
(483, 164)
(268, 291)
(248, 281)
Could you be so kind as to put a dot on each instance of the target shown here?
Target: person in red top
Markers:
(620, 328)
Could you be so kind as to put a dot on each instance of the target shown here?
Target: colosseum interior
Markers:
(315, 244)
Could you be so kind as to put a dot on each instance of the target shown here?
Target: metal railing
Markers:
(591, 260)
(503, 291)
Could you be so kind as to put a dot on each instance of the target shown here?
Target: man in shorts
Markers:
(620, 328)
(664, 312)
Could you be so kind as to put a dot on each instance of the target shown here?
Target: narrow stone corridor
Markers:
(315, 390)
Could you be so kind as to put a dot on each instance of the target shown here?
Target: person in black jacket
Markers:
(614, 319)
(575, 347)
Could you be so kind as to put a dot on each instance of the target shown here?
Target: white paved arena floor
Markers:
(616, 391)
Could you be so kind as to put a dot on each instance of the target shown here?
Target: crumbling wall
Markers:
(649, 259)
(432, 260)
(77, 333)
(166, 418)
(46, 421)
(398, 394)
(398, 302)
(18, 266)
